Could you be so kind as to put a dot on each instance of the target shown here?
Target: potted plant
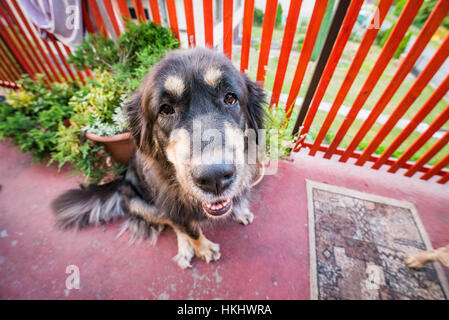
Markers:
(115, 136)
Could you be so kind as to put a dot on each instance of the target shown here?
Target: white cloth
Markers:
(62, 18)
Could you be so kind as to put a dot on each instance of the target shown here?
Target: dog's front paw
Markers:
(208, 251)
(183, 260)
(413, 261)
(245, 217)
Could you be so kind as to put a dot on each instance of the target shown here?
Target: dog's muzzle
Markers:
(215, 179)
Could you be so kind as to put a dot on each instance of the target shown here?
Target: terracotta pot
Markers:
(120, 146)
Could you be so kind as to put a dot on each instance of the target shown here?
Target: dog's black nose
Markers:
(214, 178)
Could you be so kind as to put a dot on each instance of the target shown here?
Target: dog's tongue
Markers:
(217, 208)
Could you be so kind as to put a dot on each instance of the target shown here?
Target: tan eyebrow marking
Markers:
(212, 76)
(174, 85)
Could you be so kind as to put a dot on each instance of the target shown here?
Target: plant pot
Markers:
(120, 146)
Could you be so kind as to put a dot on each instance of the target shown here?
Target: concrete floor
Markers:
(265, 260)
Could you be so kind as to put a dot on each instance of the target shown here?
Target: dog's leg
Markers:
(418, 260)
(185, 251)
(191, 241)
(242, 214)
(143, 222)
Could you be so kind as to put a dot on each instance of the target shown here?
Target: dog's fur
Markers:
(157, 189)
(418, 260)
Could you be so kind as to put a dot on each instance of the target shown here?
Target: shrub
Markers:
(301, 42)
(94, 109)
(31, 115)
(137, 49)
(278, 21)
(402, 46)
(258, 17)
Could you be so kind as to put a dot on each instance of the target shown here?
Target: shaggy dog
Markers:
(190, 122)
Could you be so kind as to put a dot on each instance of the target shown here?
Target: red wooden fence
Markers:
(22, 50)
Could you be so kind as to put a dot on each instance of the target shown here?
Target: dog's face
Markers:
(193, 111)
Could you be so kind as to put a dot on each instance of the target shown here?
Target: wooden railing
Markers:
(22, 50)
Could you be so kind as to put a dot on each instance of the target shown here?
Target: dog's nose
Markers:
(214, 178)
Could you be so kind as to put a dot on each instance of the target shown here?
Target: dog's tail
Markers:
(92, 205)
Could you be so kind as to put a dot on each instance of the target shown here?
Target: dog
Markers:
(418, 260)
(172, 180)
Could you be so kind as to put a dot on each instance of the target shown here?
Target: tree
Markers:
(258, 17)
(425, 12)
(278, 21)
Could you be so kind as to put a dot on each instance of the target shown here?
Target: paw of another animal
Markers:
(183, 260)
(245, 218)
(413, 261)
(209, 252)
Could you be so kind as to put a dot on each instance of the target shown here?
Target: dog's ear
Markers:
(254, 109)
(138, 125)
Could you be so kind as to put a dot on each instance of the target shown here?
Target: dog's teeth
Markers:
(220, 206)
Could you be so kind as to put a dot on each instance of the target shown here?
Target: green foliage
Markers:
(278, 21)
(32, 115)
(402, 46)
(258, 17)
(279, 139)
(382, 36)
(398, 7)
(424, 13)
(95, 52)
(136, 51)
(93, 105)
(301, 42)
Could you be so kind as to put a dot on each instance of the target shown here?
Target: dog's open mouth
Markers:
(218, 208)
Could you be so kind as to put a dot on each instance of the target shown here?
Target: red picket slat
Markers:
(334, 58)
(269, 19)
(17, 40)
(79, 73)
(111, 15)
(32, 32)
(444, 179)
(415, 90)
(208, 23)
(155, 12)
(190, 23)
(62, 58)
(171, 8)
(434, 127)
(98, 17)
(428, 106)
(399, 30)
(10, 63)
(286, 48)
(432, 24)
(436, 168)
(428, 155)
(16, 52)
(5, 74)
(140, 12)
(362, 52)
(124, 10)
(41, 65)
(56, 61)
(227, 28)
(306, 53)
(248, 17)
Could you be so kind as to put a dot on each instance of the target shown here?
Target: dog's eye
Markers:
(230, 98)
(166, 110)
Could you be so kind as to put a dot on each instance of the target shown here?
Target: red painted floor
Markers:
(265, 260)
